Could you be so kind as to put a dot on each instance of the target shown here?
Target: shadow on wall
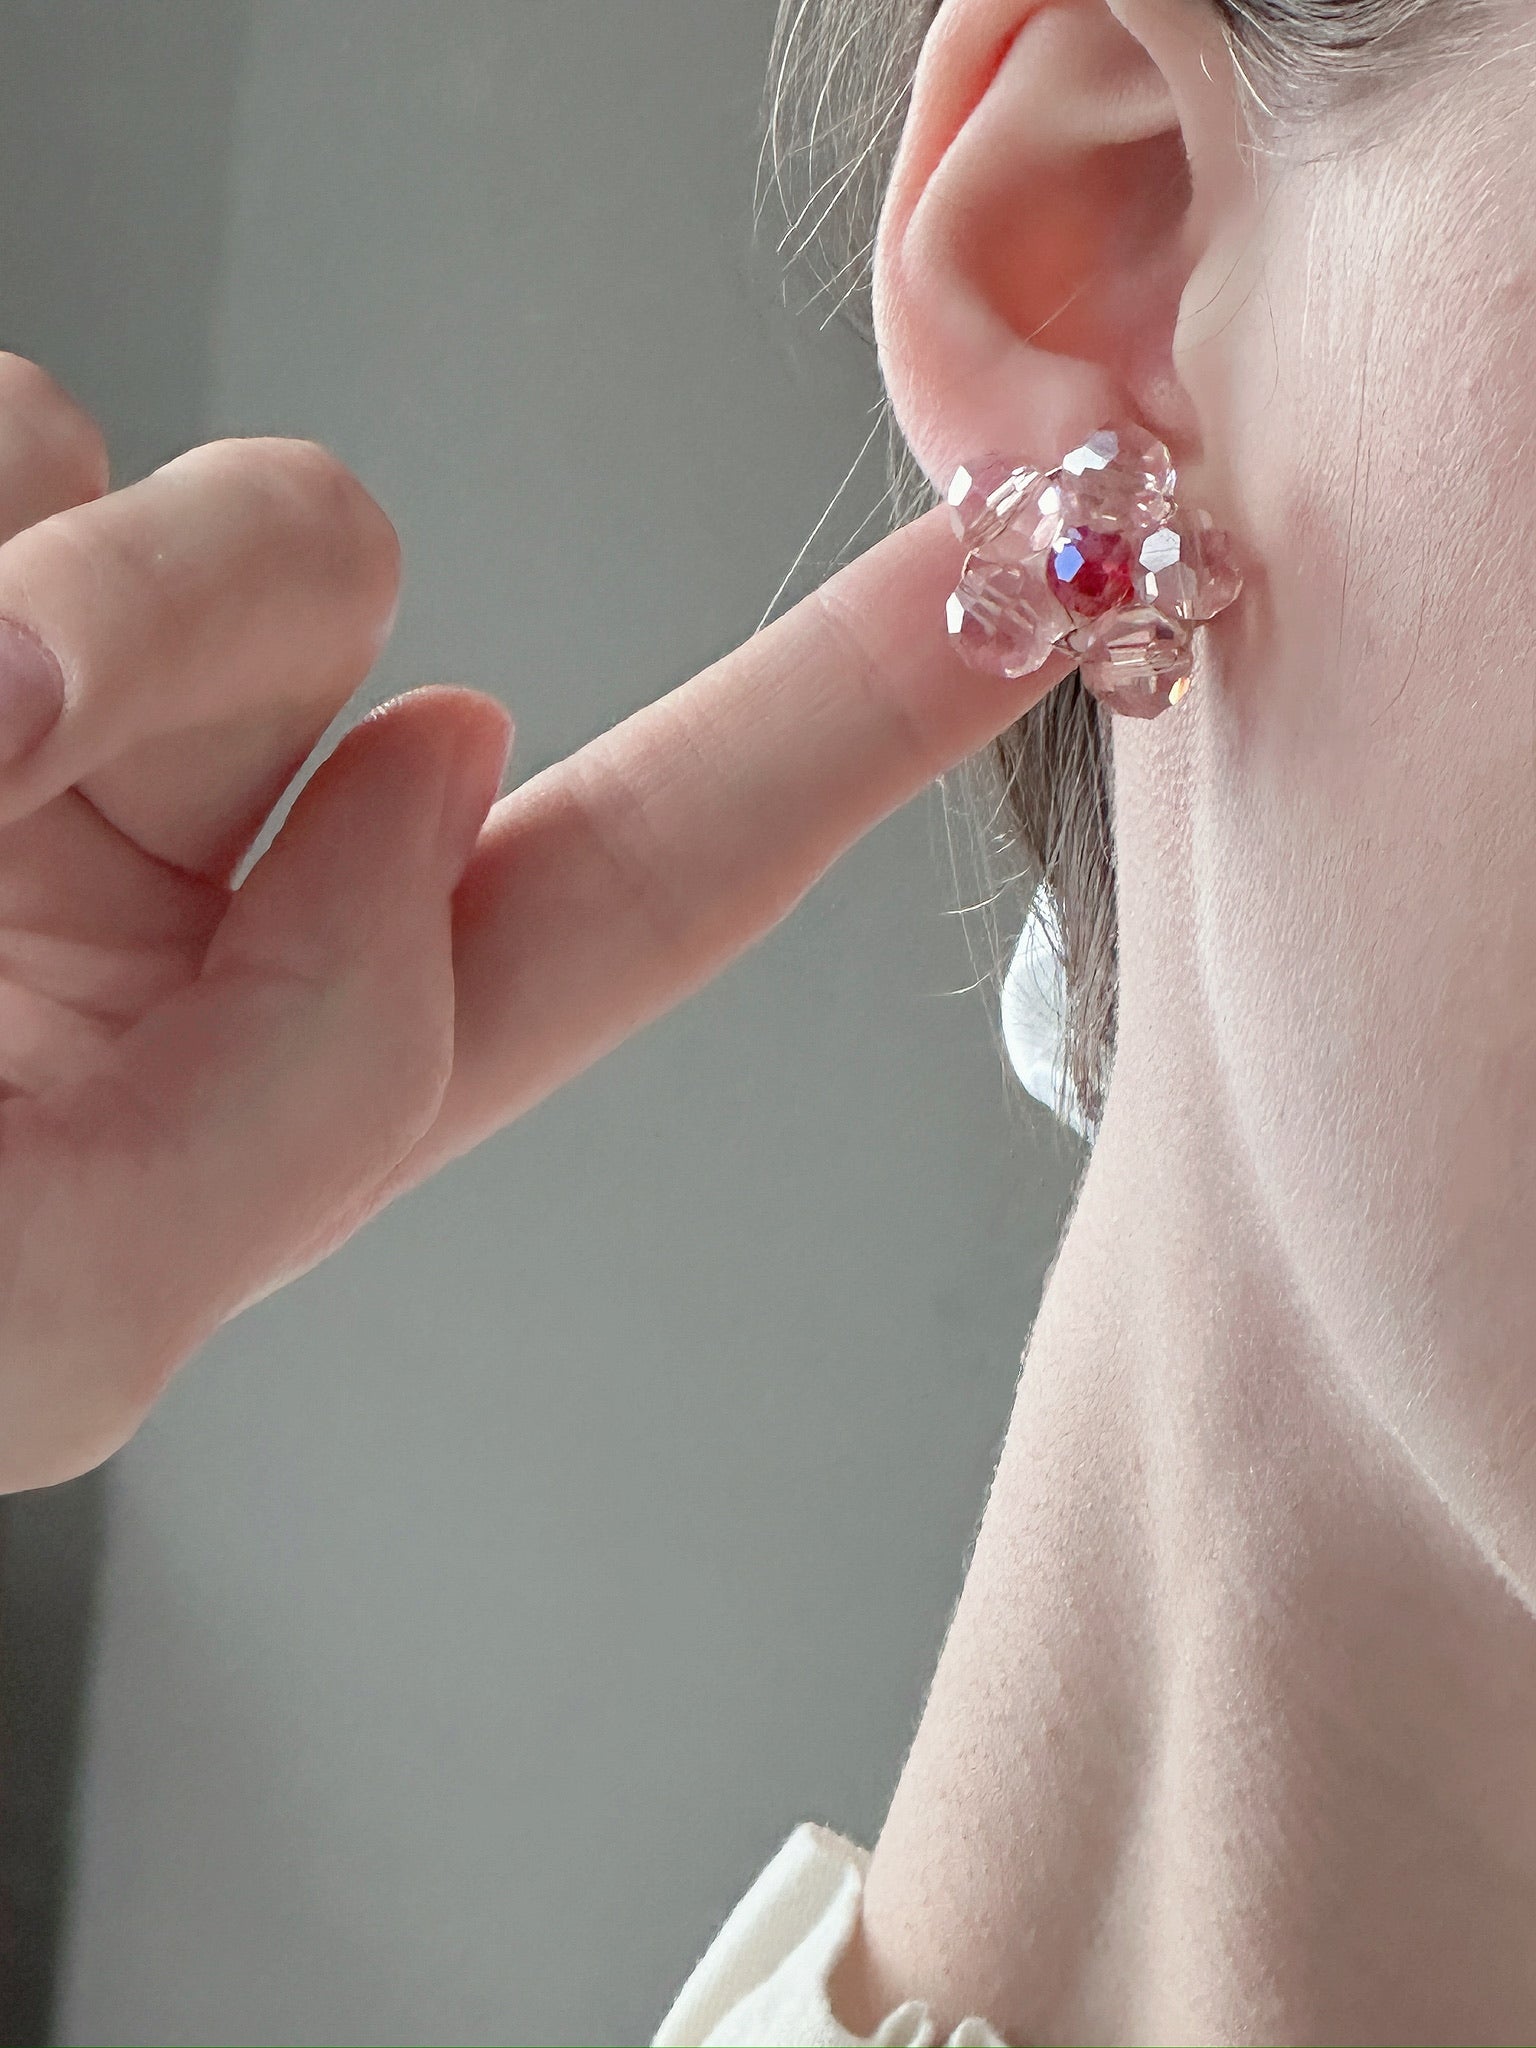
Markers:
(111, 251)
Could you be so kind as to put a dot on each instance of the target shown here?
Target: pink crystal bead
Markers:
(1132, 452)
(1002, 620)
(985, 495)
(1165, 577)
(1092, 557)
(1135, 693)
(1134, 659)
(1218, 580)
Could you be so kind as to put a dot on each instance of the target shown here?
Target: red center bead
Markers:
(1091, 572)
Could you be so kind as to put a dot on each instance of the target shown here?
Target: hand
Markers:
(204, 1090)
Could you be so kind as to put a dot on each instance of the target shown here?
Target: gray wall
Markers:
(477, 1616)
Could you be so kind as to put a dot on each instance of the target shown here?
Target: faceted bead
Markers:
(1138, 633)
(1106, 499)
(1148, 460)
(1091, 571)
(1131, 450)
(1002, 618)
(1097, 452)
(1174, 590)
(1160, 550)
(1025, 538)
(1135, 693)
(1163, 577)
(1137, 661)
(1042, 522)
(984, 496)
(1208, 552)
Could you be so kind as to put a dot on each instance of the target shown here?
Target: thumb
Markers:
(240, 1130)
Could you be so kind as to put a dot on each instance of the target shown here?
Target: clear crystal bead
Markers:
(1048, 516)
(1108, 500)
(1187, 570)
(1163, 577)
(1002, 617)
(984, 496)
(1175, 590)
(1135, 660)
(1135, 693)
(1130, 450)
(1208, 552)
(1136, 634)
(1160, 550)
(1027, 536)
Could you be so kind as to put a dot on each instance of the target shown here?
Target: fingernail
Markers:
(31, 692)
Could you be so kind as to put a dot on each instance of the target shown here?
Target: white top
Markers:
(1033, 1005)
(762, 1983)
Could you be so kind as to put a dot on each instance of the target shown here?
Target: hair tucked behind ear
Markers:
(1038, 802)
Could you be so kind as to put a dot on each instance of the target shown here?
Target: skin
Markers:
(1231, 1737)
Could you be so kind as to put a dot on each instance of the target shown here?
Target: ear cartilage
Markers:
(1094, 557)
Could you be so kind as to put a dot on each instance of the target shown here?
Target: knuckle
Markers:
(421, 1062)
(64, 435)
(617, 824)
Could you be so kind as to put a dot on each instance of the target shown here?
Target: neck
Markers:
(1231, 1736)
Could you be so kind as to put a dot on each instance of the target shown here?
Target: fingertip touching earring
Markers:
(1094, 557)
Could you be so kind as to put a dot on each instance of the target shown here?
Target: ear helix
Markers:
(1095, 557)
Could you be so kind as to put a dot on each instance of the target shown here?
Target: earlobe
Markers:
(1035, 243)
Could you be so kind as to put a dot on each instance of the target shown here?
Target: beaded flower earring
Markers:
(1093, 557)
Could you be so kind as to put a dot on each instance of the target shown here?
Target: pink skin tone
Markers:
(1231, 1738)
(206, 1091)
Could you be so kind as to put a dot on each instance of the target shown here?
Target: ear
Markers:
(1072, 178)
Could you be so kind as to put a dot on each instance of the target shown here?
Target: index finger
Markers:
(614, 884)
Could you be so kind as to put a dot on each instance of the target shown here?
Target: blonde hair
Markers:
(1038, 802)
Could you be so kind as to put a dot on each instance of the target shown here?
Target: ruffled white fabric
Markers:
(1033, 1005)
(763, 1981)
